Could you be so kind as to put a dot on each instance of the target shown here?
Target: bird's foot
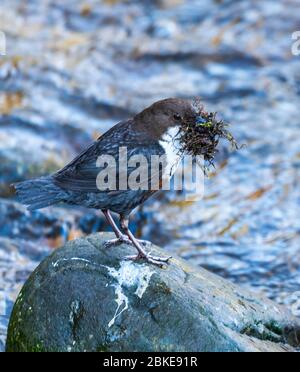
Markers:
(154, 260)
(121, 240)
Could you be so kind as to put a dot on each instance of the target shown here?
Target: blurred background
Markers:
(74, 68)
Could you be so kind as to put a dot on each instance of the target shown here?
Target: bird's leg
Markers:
(142, 254)
(121, 238)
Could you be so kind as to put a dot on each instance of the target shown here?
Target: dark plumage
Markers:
(151, 132)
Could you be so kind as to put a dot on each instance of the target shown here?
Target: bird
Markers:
(154, 131)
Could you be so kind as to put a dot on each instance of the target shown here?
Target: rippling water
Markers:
(74, 68)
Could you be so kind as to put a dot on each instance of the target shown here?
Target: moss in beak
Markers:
(201, 135)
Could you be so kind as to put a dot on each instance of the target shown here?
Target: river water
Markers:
(72, 69)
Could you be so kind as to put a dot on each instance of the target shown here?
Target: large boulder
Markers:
(85, 297)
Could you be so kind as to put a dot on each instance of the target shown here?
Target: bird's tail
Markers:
(39, 193)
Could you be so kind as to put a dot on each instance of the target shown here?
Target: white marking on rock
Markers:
(55, 264)
(120, 300)
(171, 145)
(127, 276)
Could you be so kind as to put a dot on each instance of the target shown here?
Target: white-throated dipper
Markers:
(169, 128)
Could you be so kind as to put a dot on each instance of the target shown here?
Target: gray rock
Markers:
(85, 297)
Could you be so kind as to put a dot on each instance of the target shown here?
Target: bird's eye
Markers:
(177, 117)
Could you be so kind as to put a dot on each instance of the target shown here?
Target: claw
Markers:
(161, 259)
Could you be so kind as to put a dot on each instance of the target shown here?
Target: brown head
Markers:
(198, 132)
(157, 119)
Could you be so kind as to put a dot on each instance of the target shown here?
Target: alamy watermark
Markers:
(2, 44)
(151, 173)
(296, 44)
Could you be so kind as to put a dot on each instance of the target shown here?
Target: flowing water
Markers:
(72, 69)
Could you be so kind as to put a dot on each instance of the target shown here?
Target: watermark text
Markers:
(296, 44)
(151, 173)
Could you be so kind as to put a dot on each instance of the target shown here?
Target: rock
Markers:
(85, 297)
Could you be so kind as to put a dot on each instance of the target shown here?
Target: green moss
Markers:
(275, 327)
(271, 331)
(206, 125)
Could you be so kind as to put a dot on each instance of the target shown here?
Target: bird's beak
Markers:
(200, 120)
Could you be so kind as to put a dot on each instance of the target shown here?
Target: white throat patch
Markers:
(171, 145)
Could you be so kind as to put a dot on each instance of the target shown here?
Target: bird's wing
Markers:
(81, 174)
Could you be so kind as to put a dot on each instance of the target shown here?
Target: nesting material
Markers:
(202, 137)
